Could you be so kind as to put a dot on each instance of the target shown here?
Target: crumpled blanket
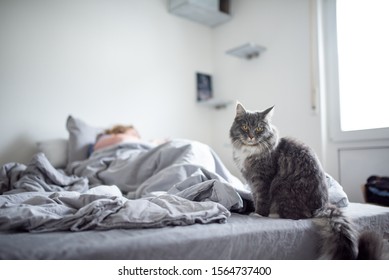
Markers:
(179, 183)
(38, 176)
(99, 208)
(182, 167)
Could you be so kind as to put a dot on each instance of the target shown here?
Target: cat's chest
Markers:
(248, 156)
(240, 157)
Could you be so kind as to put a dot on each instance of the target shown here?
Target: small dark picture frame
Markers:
(204, 87)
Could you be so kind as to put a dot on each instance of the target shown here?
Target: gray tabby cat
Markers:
(287, 180)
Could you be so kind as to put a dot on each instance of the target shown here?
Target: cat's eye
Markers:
(259, 129)
(245, 127)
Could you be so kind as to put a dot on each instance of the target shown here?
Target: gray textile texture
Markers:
(102, 207)
(180, 167)
(178, 183)
(243, 237)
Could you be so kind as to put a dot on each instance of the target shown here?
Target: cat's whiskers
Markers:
(266, 147)
(237, 143)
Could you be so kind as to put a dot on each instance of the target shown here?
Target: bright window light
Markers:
(363, 63)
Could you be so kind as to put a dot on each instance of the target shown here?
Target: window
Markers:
(357, 62)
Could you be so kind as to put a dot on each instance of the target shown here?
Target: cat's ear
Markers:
(240, 110)
(268, 113)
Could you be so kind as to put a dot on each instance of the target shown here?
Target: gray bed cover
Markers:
(141, 193)
(242, 237)
(178, 183)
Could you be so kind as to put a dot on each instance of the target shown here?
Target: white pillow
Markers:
(56, 151)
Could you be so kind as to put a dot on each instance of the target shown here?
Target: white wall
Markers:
(281, 76)
(105, 62)
(131, 61)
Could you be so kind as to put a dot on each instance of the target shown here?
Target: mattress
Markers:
(240, 237)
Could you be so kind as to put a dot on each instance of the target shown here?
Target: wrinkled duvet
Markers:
(131, 185)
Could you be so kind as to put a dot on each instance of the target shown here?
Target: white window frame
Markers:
(332, 83)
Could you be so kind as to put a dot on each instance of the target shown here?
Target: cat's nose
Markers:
(251, 136)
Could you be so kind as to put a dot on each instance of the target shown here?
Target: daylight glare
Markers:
(363, 58)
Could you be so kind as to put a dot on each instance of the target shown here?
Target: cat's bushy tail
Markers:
(341, 241)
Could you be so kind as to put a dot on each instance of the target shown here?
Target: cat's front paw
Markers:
(274, 216)
(254, 214)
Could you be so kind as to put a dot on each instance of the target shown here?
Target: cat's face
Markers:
(251, 128)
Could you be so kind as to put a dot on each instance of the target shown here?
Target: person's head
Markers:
(123, 129)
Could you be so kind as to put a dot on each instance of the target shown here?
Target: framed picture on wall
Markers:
(204, 87)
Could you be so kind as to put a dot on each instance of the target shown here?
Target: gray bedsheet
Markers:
(131, 185)
(242, 237)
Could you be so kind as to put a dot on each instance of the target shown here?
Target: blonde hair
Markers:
(117, 129)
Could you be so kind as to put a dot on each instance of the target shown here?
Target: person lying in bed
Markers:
(119, 134)
(115, 135)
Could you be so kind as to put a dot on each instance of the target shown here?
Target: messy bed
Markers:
(137, 200)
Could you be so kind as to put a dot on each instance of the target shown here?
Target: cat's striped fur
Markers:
(286, 179)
